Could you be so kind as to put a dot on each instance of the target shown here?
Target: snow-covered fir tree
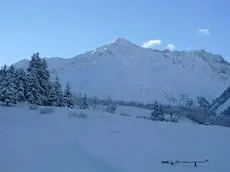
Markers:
(50, 101)
(3, 71)
(7, 86)
(58, 99)
(2, 81)
(84, 104)
(33, 85)
(68, 97)
(21, 85)
(11, 71)
(38, 81)
(158, 112)
(45, 83)
(33, 89)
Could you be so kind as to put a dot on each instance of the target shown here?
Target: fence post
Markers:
(195, 164)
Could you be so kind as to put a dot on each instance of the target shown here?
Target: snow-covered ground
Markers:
(102, 142)
(133, 111)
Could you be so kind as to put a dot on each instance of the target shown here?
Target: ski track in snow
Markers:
(106, 142)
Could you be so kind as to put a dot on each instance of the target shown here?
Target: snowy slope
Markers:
(106, 143)
(222, 102)
(223, 106)
(125, 71)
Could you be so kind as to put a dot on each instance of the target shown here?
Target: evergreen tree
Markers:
(38, 82)
(33, 92)
(84, 104)
(68, 97)
(21, 85)
(58, 93)
(50, 101)
(7, 86)
(11, 71)
(2, 81)
(158, 112)
(45, 82)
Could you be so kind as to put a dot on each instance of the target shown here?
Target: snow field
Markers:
(99, 141)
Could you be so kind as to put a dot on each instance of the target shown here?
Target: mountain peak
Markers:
(122, 41)
(118, 46)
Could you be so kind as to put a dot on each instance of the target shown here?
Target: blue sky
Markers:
(64, 28)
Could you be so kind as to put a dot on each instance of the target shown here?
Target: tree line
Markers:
(33, 85)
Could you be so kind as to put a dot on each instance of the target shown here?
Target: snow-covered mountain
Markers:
(125, 71)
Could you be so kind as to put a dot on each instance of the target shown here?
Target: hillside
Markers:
(125, 71)
(102, 142)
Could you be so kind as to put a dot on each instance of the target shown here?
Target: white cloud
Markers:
(151, 43)
(204, 32)
(171, 47)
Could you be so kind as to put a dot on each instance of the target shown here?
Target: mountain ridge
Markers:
(124, 41)
(123, 70)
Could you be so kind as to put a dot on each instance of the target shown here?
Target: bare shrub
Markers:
(111, 108)
(46, 110)
(171, 118)
(33, 106)
(74, 114)
(125, 114)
